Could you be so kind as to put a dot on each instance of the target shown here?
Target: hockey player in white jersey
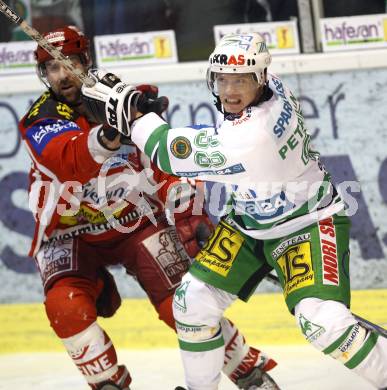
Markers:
(284, 214)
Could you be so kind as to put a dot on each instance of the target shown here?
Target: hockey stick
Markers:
(41, 41)
(362, 321)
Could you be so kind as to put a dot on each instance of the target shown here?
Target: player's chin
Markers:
(233, 108)
(71, 96)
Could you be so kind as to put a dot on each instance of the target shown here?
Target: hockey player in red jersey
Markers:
(98, 201)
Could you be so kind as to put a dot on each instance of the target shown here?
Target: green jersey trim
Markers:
(337, 343)
(363, 352)
(163, 154)
(201, 347)
(153, 140)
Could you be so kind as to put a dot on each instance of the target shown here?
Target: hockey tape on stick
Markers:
(42, 42)
(362, 321)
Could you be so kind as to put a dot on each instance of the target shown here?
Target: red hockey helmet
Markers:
(70, 40)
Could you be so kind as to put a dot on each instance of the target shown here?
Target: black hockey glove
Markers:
(150, 101)
(110, 133)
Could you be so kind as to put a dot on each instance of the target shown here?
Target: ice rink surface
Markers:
(299, 368)
(149, 349)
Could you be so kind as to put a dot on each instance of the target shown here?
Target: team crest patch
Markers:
(181, 147)
(179, 297)
(310, 330)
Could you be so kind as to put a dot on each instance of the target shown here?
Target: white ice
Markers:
(299, 368)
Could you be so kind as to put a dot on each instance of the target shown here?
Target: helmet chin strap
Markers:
(266, 94)
(218, 103)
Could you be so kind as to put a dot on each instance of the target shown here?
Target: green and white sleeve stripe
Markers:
(150, 134)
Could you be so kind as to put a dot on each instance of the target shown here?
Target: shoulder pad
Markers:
(42, 132)
(46, 106)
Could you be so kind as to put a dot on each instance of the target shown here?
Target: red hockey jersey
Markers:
(77, 187)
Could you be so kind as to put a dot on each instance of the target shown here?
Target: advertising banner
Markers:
(17, 57)
(280, 37)
(354, 32)
(155, 47)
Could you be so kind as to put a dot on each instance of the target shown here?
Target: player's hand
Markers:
(149, 101)
(184, 208)
(111, 101)
(193, 230)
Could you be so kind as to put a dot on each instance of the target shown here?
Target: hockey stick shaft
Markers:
(362, 321)
(42, 42)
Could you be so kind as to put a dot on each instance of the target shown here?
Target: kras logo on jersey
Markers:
(43, 132)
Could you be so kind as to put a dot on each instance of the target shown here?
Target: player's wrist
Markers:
(109, 138)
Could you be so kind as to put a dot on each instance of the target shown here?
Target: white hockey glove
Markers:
(111, 101)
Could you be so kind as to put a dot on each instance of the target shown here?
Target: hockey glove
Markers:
(111, 101)
(193, 226)
(149, 101)
(193, 230)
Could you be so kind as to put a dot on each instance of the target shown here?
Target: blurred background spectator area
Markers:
(192, 21)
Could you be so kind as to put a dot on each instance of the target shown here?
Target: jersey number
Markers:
(209, 160)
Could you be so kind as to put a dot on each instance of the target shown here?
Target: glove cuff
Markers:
(110, 133)
(121, 98)
(109, 136)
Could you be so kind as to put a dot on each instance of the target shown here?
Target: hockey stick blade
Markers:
(362, 321)
(41, 41)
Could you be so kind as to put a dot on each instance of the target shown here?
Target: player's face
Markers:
(64, 84)
(236, 91)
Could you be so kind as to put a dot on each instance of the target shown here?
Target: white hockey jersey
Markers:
(278, 183)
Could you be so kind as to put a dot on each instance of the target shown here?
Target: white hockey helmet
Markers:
(239, 53)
